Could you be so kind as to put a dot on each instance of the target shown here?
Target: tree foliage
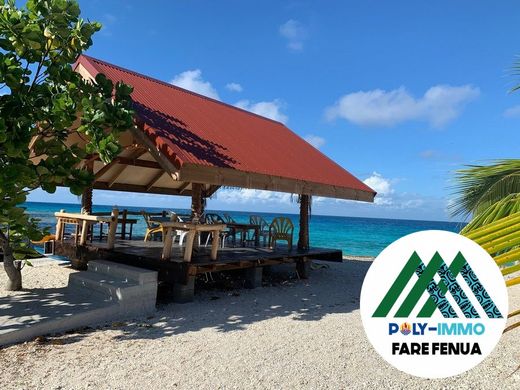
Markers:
(43, 100)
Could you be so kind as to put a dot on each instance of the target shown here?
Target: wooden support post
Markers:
(111, 239)
(123, 224)
(196, 202)
(59, 228)
(303, 268)
(86, 201)
(84, 231)
(168, 242)
(197, 210)
(188, 249)
(303, 237)
(86, 197)
(215, 243)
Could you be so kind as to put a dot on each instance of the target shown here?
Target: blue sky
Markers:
(400, 93)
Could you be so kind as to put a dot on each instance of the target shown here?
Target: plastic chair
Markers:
(281, 229)
(243, 233)
(229, 218)
(153, 230)
(212, 219)
(264, 227)
(180, 233)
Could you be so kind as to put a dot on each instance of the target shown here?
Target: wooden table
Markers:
(244, 228)
(193, 230)
(184, 218)
(123, 222)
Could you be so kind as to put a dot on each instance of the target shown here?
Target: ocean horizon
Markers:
(356, 236)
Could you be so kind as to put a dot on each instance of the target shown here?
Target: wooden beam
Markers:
(211, 190)
(103, 185)
(119, 170)
(139, 134)
(235, 178)
(104, 170)
(139, 163)
(154, 180)
(183, 187)
(89, 160)
(136, 162)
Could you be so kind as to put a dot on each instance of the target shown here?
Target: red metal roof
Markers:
(191, 128)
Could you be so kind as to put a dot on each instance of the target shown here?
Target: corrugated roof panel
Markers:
(191, 128)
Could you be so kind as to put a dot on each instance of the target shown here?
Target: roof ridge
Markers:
(153, 79)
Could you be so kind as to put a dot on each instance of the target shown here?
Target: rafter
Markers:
(154, 180)
(105, 169)
(120, 169)
(183, 187)
(211, 190)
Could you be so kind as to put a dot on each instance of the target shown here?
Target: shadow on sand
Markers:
(332, 290)
(30, 307)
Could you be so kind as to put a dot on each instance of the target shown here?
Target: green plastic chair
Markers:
(229, 218)
(212, 218)
(264, 227)
(281, 229)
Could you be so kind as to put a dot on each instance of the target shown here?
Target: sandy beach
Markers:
(294, 334)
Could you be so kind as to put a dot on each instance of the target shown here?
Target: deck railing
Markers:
(85, 221)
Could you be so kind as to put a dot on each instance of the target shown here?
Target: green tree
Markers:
(43, 102)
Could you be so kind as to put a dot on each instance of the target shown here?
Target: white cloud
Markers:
(382, 186)
(247, 195)
(512, 112)
(272, 109)
(315, 140)
(234, 87)
(379, 184)
(193, 81)
(439, 105)
(295, 34)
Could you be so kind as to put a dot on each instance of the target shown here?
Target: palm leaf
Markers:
(479, 186)
(515, 71)
(505, 207)
(501, 239)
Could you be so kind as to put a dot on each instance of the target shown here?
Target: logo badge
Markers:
(434, 304)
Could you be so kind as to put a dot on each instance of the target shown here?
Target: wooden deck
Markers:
(176, 271)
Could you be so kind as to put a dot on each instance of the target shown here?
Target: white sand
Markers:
(303, 334)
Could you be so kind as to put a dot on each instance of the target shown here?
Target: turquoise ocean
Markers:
(355, 236)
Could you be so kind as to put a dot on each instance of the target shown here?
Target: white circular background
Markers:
(384, 271)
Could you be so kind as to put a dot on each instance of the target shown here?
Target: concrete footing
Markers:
(183, 293)
(253, 277)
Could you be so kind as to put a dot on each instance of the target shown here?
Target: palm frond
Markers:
(479, 186)
(498, 210)
(515, 71)
(501, 239)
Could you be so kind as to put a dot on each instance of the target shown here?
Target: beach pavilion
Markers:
(187, 144)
